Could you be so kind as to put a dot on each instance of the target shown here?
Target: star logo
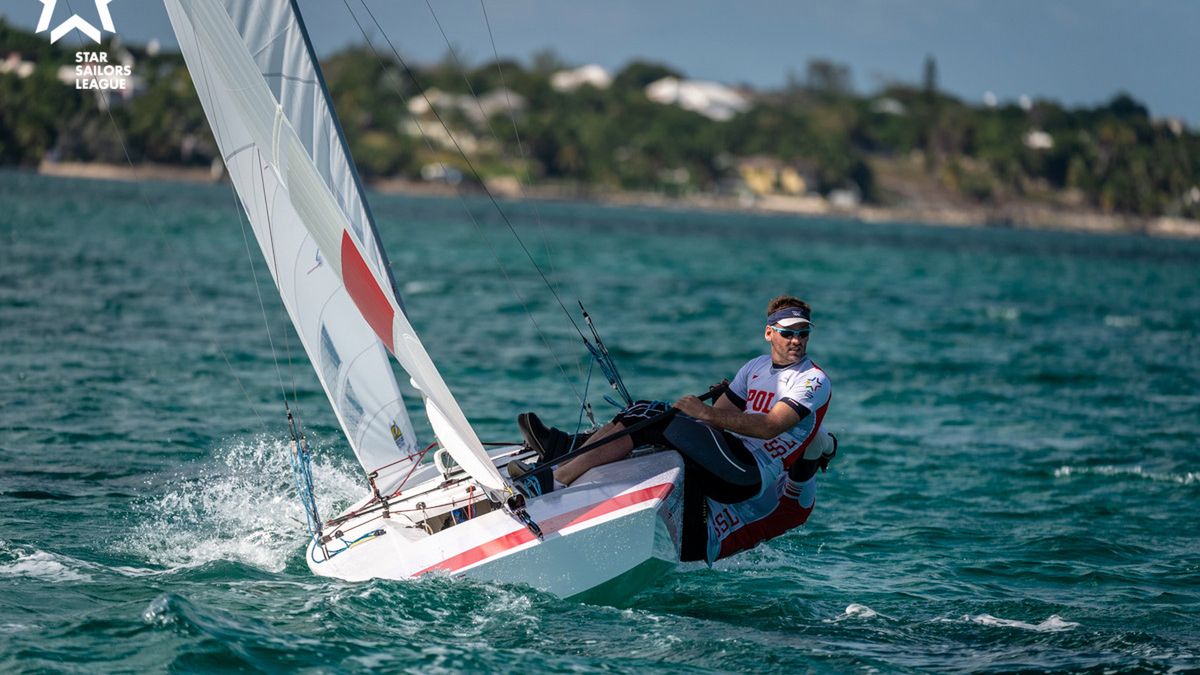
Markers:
(76, 22)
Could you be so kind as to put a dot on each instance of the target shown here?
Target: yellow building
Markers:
(768, 176)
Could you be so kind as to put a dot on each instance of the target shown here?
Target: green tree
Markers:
(637, 74)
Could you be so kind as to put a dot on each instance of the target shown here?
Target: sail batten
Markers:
(261, 88)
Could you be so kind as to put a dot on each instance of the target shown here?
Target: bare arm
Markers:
(726, 403)
(725, 415)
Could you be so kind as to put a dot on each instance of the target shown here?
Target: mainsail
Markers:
(261, 87)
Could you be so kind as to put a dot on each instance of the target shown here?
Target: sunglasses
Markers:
(788, 333)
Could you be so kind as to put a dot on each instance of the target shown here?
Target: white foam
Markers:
(760, 560)
(1002, 313)
(158, 611)
(1052, 624)
(855, 611)
(37, 564)
(1122, 321)
(1136, 471)
(127, 571)
(375, 661)
(420, 287)
(242, 507)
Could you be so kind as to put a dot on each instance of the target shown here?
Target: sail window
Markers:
(330, 361)
(352, 410)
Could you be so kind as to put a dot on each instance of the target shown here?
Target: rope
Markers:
(374, 505)
(347, 545)
(301, 461)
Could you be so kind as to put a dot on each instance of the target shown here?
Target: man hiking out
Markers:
(751, 457)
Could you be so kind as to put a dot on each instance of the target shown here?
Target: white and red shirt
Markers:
(782, 503)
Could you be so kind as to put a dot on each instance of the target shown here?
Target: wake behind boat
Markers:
(264, 95)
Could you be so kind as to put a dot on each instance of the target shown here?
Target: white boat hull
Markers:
(616, 524)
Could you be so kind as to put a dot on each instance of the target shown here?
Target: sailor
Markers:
(751, 457)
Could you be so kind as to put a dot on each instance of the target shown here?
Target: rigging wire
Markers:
(512, 118)
(249, 255)
(217, 133)
(484, 116)
(499, 263)
(254, 273)
(300, 456)
(174, 253)
(598, 351)
(301, 459)
(471, 166)
(262, 181)
(537, 214)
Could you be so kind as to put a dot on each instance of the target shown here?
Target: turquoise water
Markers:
(1017, 487)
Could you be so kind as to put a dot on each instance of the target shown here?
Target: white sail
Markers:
(259, 82)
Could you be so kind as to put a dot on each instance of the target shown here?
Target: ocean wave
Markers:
(36, 564)
(159, 612)
(241, 508)
(1003, 313)
(422, 287)
(855, 611)
(1189, 478)
(1054, 623)
(1122, 321)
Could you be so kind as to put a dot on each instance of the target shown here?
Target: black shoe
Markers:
(549, 443)
(533, 484)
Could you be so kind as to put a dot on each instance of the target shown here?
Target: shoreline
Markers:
(1026, 215)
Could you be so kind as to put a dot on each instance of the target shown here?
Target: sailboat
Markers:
(266, 100)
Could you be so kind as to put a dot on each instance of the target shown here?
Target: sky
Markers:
(1078, 52)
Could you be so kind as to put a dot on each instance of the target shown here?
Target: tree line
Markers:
(1113, 157)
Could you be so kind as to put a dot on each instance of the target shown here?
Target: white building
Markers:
(13, 65)
(478, 110)
(1038, 140)
(886, 105)
(591, 74)
(711, 99)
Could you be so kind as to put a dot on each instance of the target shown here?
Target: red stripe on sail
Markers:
(365, 291)
(570, 519)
